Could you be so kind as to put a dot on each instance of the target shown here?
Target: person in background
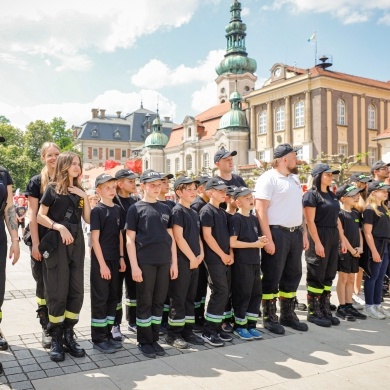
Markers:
(21, 211)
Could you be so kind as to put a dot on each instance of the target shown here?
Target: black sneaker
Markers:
(356, 313)
(115, 343)
(176, 342)
(193, 339)
(158, 349)
(213, 339)
(227, 327)
(147, 350)
(225, 336)
(198, 328)
(104, 347)
(342, 313)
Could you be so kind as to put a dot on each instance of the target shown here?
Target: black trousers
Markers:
(182, 292)
(104, 296)
(321, 271)
(64, 281)
(246, 291)
(131, 297)
(201, 292)
(219, 282)
(282, 271)
(37, 273)
(151, 293)
(3, 262)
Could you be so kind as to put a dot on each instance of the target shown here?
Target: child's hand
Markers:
(136, 274)
(194, 263)
(262, 241)
(66, 236)
(105, 272)
(227, 259)
(376, 257)
(122, 265)
(174, 271)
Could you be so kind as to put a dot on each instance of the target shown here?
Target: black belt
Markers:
(291, 230)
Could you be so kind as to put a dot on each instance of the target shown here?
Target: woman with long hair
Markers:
(63, 251)
(35, 189)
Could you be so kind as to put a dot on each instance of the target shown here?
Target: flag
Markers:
(312, 38)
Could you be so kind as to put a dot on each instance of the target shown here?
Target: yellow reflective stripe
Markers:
(327, 288)
(71, 316)
(268, 297)
(41, 301)
(287, 295)
(1, 315)
(315, 290)
(56, 320)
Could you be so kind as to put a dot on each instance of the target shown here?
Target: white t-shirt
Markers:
(285, 196)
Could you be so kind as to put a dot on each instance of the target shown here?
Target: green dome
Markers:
(235, 27)
(156, 140)
(237, 64)
(235, 119)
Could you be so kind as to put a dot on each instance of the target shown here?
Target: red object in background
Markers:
(109, 164)
(304, 188)
(134, 165)
(17, 197)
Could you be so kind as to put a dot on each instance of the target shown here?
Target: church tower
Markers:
(236, 66)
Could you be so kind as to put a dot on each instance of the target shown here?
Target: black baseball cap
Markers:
(216, 183)
(223, 153)
(242, 191)
(230, 190)
(2, 139)
(203, 179)
(378, 165)
(377, 185)
(125, 174)
(103, 178)
(321, 168)
(150, 175)
(360, 177)
(283, 149)
(347, 190)
(184, 180)
(166, 175)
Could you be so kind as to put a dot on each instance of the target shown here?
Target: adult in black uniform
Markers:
(7, 217)
(223, 160)
(321, 210)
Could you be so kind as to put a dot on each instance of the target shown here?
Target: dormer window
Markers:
(189, 132)
(94, 133)
(117, 134)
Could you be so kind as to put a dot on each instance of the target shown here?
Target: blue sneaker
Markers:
(243, 334)
(255, 333)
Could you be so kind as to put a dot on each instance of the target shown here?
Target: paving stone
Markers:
(49, 365)
(6, 357)
(172, 352)
(31, 367)
(25, 385)
(81, 360)
(16, 378)
(71, 369)
(105, 363)
(120, 354)
(11, 363)
(13, 338)
(36, 375)
(26, 362)
(39, 352)
(99, 357)
(125, 360)
(67, 362)
(4, 382)
(43, 359)
(87, 366)
(54, 372)
(14, 370)
(22, 354)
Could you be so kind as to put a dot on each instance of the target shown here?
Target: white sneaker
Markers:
(370, 311)
(358, 301)
(381, 309)
(116, 333)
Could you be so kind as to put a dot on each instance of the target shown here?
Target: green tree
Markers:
(62, 136)
(12, 135)
(3, 119)
(37, 133)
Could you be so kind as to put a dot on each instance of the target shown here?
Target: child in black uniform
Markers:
(218, 259)
(125, 187)
(152, 253)
(246, 283)
(348, 264)
(186, 230)
(107, 261)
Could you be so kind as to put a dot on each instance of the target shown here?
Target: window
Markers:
(168, 166)
(206, 160)
(372, 156)
(189, 133)
(94, 152)
(280, 119)
(299, 153)
(343, 150)
(177, 164)
(146, 164)
(124, 154)
(263, 122)
(111, 153)
(117, 134)
(300, 114)
(341, 112)
(188, 162)
(262, 155)
(94, 133)
(371, 116)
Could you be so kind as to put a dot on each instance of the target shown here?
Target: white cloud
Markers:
(245, 11)
(65, 31)
(78, 113)
(156, 74)
(205, 97)
(385, 19)
(348, 11)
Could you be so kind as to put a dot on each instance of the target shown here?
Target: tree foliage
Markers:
(62, 136)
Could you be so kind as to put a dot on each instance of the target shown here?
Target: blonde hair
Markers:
(45, 179)
(61, 177)
(372, 201)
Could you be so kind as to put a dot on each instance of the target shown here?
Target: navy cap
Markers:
(2, 139)
(360, 177)
(377, 185)
(223, 153)
(166, 175)
(378, 165)
(283, 149)
(242, 191)
(216, 183)
(321, 168)
(125, 174)
(347, 190)
(150, 175)
(184, 180)
(203, 179)
(230, 190)
(103, 178)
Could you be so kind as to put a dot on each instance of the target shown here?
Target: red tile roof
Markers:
(384, 135)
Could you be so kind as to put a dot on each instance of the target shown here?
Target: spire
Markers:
(236, 58)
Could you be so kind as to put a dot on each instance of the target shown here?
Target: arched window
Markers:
(300, 114)
(189, 132)
(177, 164)
(168, 166)
(341, 112)
(146, 164)
(188, 162)
(280, 119)
(371, 116)
(206, 160)
(263, 122)
(95, 132)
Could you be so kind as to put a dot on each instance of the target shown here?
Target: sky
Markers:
(63, 58)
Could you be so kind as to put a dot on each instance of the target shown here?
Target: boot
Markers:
(70, 344)
(326, 309)
(3, 342)
(270, 319)
(56, 350)
(314, 312)
(288, 316)
(43, 316)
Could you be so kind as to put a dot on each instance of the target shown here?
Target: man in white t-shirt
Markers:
(279, 209)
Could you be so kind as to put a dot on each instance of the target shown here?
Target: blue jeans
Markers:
(373, 285)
